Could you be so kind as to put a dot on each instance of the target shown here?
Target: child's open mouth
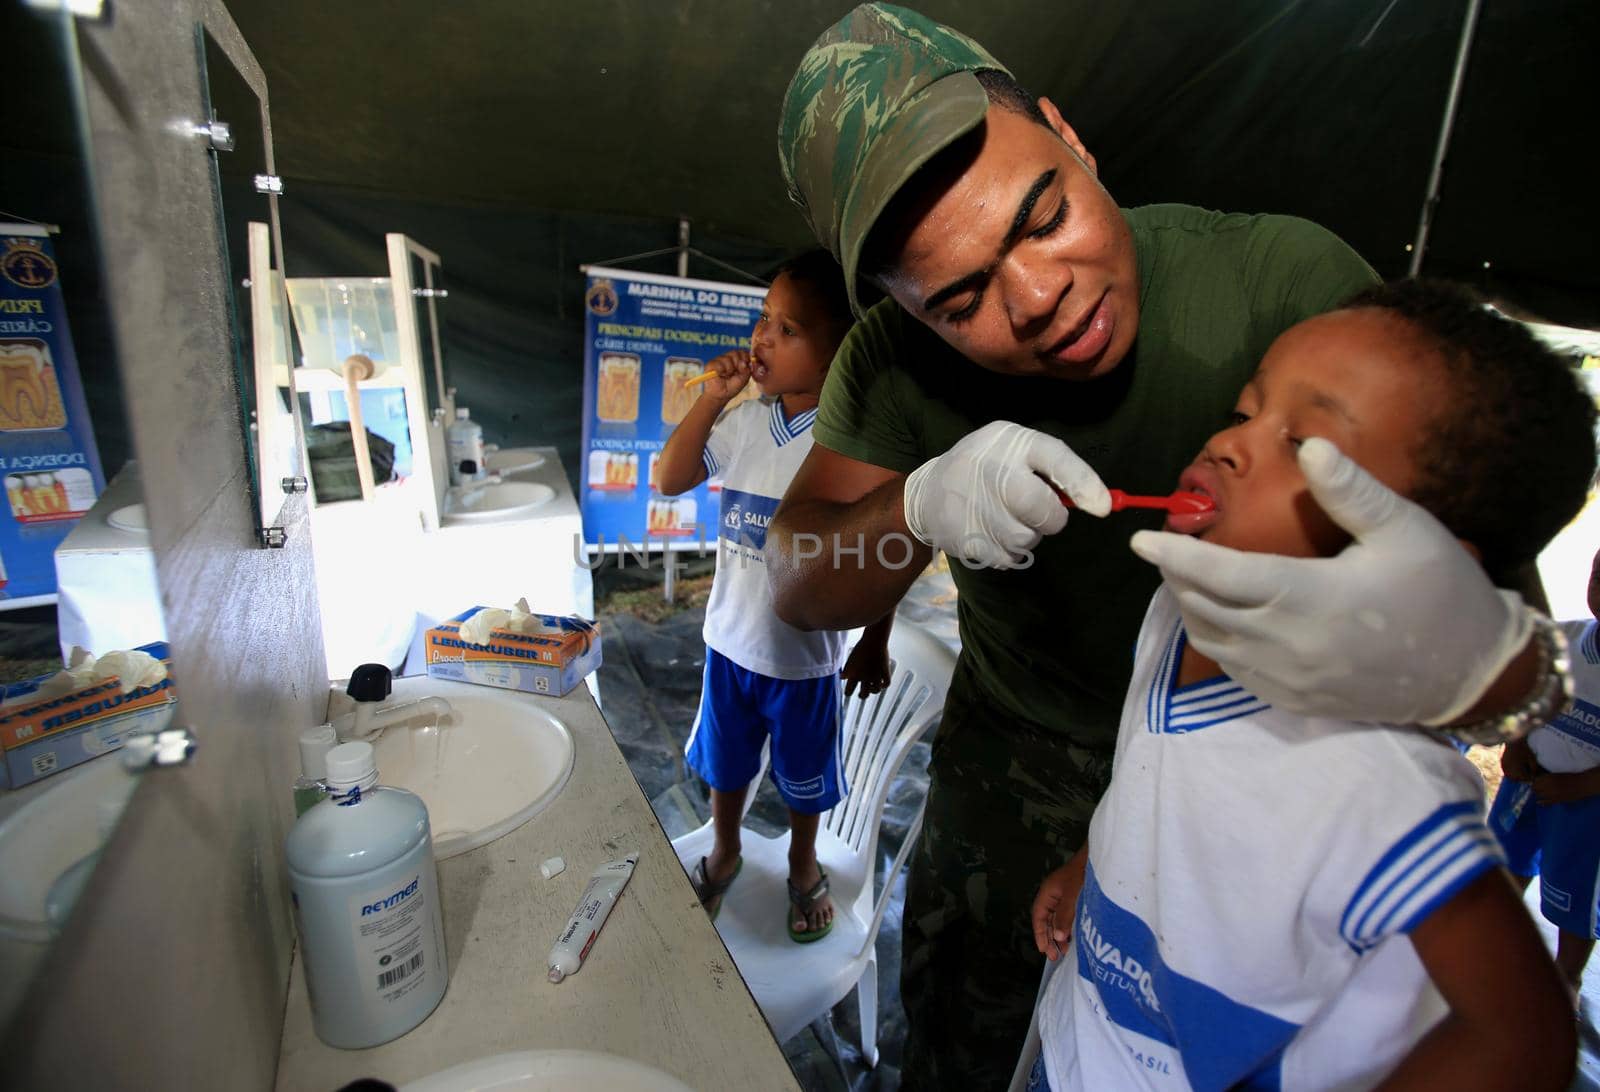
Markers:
(1196, 479)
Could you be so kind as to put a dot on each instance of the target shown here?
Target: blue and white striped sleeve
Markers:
(723, 441)
(1422, 870)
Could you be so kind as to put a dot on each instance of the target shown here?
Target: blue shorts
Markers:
(1559, 843)
(739, 709)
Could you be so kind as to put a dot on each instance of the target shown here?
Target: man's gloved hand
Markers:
(984, 500)
(1401, 627)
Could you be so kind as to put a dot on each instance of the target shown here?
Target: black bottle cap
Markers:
(370, 682)
(468, 466)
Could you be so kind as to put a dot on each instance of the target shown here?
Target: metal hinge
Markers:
(217, 133)
(152, 750)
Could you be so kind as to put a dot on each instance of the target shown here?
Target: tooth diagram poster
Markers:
(48, 460)
(644, 336)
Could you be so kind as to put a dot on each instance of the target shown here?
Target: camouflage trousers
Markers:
(1000, 816)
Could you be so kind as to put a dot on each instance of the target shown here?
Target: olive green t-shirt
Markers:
(1047, 651)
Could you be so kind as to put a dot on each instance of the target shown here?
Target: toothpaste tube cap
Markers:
(553, 867)
(556, 974)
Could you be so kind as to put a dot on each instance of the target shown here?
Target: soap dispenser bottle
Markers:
(366, 905)
(463, 444)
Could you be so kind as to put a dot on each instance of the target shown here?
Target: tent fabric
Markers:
(1323, 108)
(520, 139)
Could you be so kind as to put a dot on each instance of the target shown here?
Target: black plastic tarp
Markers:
(656, 108)
(520, 139)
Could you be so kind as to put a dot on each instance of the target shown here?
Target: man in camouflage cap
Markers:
(864, 113)
(1006, 354)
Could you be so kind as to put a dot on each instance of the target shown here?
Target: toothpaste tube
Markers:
(572, 947)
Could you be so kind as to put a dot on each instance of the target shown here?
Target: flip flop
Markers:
(805, 902)
(705, 890)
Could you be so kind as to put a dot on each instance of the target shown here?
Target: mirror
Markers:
(274, 428)
(368, 372)
(264, 342)
(74, 540)
(414, 270)
(350, 388)
(369, 380)
(427, 291)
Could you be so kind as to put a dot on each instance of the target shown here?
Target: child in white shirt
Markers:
(1547, 812)
(763, 677)
(1274, 901)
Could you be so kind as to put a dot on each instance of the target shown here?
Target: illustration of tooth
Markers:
(29, 397)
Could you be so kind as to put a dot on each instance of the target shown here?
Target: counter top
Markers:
(658, 986)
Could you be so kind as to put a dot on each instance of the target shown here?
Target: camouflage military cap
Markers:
(876, 97)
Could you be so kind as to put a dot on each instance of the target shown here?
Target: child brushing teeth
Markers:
(1272, 900)
(764, 678)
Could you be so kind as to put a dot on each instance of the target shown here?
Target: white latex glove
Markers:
(519, 619)
(476, 630)
(134, 669)
(1402, 627)
(983, 500)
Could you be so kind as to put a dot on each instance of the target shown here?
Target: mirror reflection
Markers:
(274, 427)
(352, 396)
(423, 281)
(369, 351)
(83, 657)
(371, 380)
(263, 338)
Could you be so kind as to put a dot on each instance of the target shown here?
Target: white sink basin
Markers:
(490, 766)
(512, 459)
(552, 1070)
(131, 518)
(48, 836)
(48, 848)
(495, 500)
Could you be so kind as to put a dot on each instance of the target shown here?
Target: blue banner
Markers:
(644, 336)
(48, 458)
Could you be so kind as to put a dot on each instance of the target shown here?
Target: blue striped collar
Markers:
(1172, 710)
(786, 429)
(1588, 644)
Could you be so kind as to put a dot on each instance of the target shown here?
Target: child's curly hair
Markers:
(1509, 461)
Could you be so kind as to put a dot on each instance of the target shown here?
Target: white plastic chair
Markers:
(796, 983)
(1031, 1044)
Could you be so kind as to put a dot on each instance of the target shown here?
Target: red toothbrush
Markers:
(1178, 503)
